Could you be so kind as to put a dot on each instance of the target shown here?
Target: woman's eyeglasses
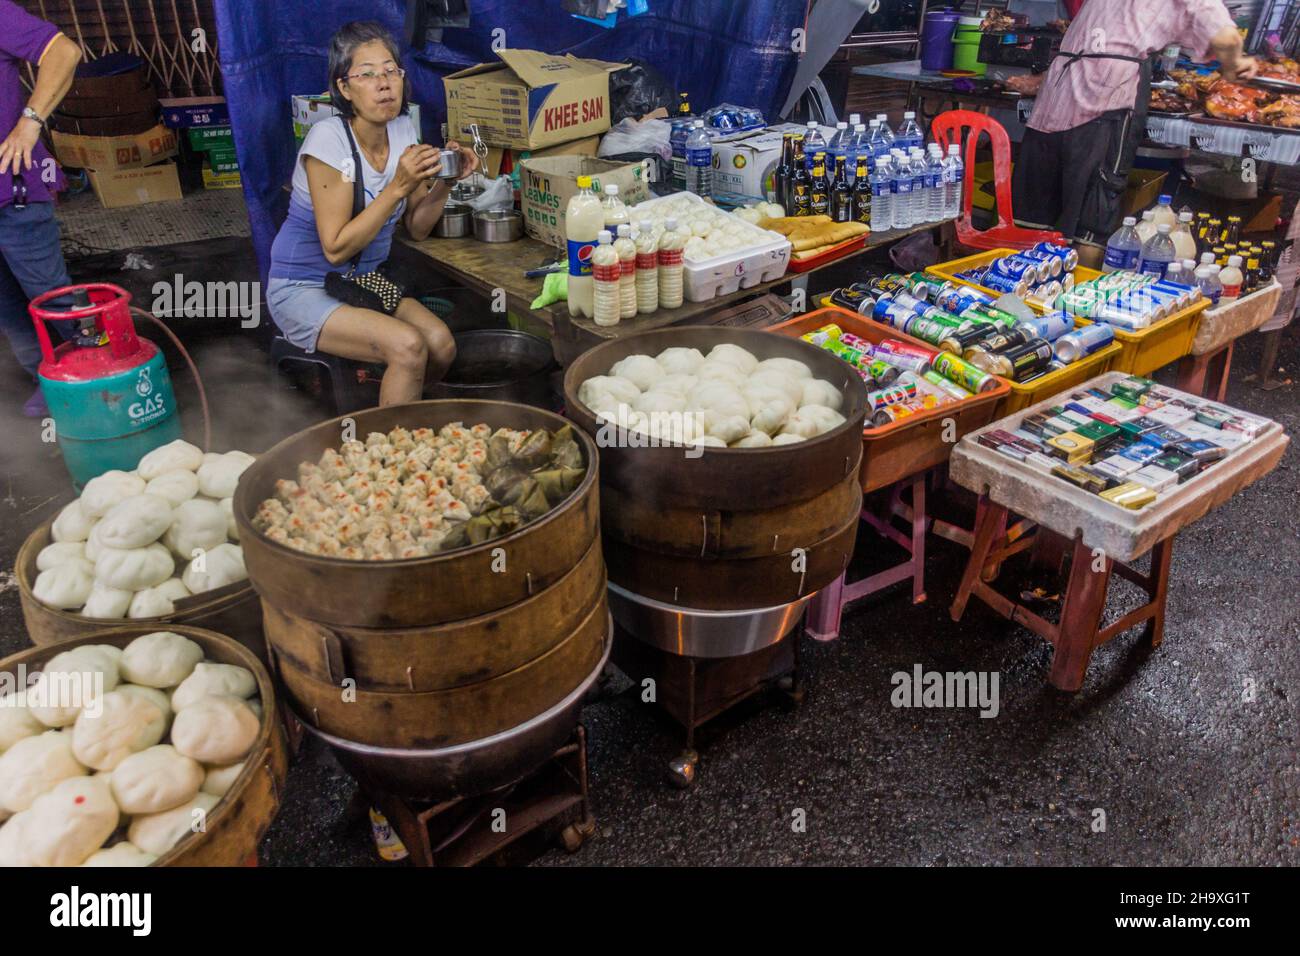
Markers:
(370, 77)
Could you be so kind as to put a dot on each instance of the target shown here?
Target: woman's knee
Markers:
(442, 347)
(405, 348)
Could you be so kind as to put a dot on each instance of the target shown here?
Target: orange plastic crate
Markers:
(903, 448)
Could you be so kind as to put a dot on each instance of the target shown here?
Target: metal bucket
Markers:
(500, 365)
(694, 632)
(468, 769)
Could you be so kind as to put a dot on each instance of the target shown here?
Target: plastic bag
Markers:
(499, 194)
(631, 136)
(638, 89)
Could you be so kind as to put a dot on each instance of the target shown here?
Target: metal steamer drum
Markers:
(237, 824)
(466, 669)
(233, 610)
(714, 557)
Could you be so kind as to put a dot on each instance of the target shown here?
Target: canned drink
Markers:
(1009, 338)
(883, 372)
(928, 286)
(1124, 314)
(1001, 283)
(989, 313)
(1054, 266)
(952, 389)
(963, 373)
(960, 340)
(892, 395)
(1049, 290)
(1067, 281)
(826, 333)
(1081, 302)
(905, 356)
(1069, 258)
(892, 313)
(1026, 360)
(880, 286)
(928, 329)
(854, 301)
(856, 342)
(958, 298)
(855, 357)
(1014, 267)
(1083, 341)
(919, 306)
(1050, 325)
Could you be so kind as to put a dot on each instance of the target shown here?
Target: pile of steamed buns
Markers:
(727, 398)
(120, 777)
(136, 542)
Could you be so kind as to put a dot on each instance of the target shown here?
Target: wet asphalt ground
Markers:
(1183, 756)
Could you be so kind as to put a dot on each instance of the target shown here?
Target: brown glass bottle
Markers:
(862, 193)
(800, 184)
(841, 193)
(784, 171)
(819, 192)
(1233, 235)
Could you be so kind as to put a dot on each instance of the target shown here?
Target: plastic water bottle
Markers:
(813, 142)
(909, 134)
(677, 139)
(934, 184)
(901, 187)
(920, 200)
(1158, 252)
(954, 176)
(838, 146)
(1123, 248)
(699, 162)
(886, 134)
(875, 141)
(1207, 280)
(858, 150)
(882, 196)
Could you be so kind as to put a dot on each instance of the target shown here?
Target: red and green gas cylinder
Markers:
(108, 389)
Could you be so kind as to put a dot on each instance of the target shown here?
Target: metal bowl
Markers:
(468, 769)
(498, 225)
(456, 222)
(502, 365)
(693, 632)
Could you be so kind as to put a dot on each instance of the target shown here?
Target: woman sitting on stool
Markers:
(321, 234)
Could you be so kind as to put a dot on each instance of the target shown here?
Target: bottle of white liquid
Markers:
(606, 274)
(615, 212)
(1184, 241)
(671, 244)
(626, 250)
(583, 220)
(647, 268)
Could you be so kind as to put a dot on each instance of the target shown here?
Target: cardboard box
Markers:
(546, 184)
(217, 180)
(107, 153)
(579, 147)
(135, 187)
(308, 110)
(188, 111)
(204, 139)
(745, 166)
(530, 99)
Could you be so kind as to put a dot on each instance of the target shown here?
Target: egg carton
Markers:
(705, 279)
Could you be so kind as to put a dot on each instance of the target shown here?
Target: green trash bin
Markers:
(966, 46)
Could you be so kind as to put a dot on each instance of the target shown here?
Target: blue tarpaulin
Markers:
(717, 50)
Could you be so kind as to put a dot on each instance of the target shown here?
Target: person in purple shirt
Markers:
(31, 262)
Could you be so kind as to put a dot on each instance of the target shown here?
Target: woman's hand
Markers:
(417, 163)
(468, 159)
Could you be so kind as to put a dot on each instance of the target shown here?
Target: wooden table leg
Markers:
(1192, 371)
(988, 518)
(1085, 599)
(1224, 365)
(1049, 551)
(991, 569)
(919, 523)
(1158, 590)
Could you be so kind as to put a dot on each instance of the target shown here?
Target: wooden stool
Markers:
(461, 832)
(1079, 632)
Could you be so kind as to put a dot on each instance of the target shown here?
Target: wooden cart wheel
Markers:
(681, 769)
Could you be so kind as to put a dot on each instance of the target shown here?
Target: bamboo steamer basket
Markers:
(730, 529)
(237, 824)
(232, 610)
(432, 652)
(453, 715)
(418, 592)
(450, 655)
(736, 479)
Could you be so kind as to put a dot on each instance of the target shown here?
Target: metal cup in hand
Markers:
(450, 160)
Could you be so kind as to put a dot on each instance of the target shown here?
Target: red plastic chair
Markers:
(948, 128)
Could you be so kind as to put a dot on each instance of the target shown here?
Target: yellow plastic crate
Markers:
(1053, 383)
(1141, 352)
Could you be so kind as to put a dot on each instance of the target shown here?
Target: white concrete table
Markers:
(1102, 537)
